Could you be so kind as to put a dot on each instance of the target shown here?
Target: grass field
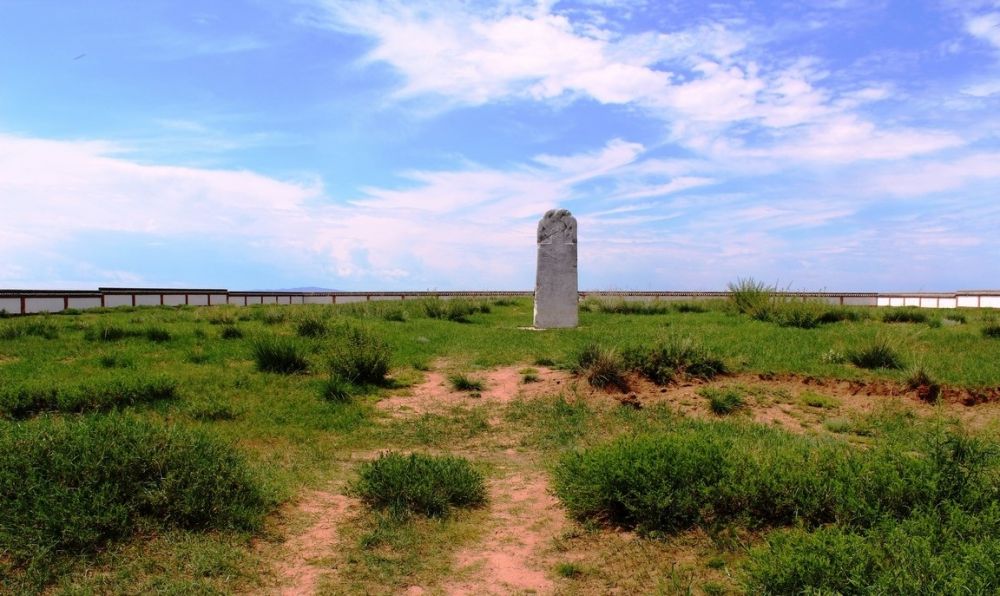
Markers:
(727, 449)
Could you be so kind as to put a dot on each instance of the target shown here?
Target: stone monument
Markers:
(556, 293)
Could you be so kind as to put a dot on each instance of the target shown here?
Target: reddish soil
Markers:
(300, 569)
(513, 557)
(777, 402)
(500, 386)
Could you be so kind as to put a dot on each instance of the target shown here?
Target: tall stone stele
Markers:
(556, 293)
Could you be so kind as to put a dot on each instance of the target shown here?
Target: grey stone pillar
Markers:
(556, 293)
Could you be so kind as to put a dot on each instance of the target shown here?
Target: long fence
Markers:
(38, 301)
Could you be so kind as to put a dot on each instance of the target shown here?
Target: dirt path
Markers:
(514, 556)
(304, 560)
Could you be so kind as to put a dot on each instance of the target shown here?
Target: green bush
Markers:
(689, 307)
(602, 367)
(156, 334)
(70, 486)
(278, 354)
(838, 314)
(935, 552)
(359, 356)
(879, 353)
(797, 313)
(675, 356)
(455, 309)
(28, 399)
(416, 483)
(311, 326)
(991, 329)
(231, 332)
(621, 306)
(105, 331)
(38, 327)
(706, 473)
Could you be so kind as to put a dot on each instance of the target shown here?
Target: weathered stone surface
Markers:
(556, 290)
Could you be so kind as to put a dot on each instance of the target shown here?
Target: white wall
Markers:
(83, 303)
(33, 305)
(112, 300)
(10, 305)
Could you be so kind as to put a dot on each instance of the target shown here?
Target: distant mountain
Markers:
(306, 289)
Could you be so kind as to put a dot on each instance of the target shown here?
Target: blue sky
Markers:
(838, 145)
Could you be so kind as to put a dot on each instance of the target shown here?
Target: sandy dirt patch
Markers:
(500, 386)
(302, 564)
(514, 557)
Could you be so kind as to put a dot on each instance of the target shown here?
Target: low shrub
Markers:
(33, 326)
(278, 354)
(957, 317)
(28, 399)
(796, 313)
(602, 367)
(461, 382)
(417, 483)
(107, 332)
(723, 400)
(904, 315)
(116, 361)
(311, 326)
(156, 334)
(991, 329)
(926, 387)
(879, 353)
(271, 315)
(946, 552)
(839, 314)
(69, 486)
(359, 356)
(455, 309)
(627, 307)
(689, 307)
(231, 332)
(704, 473)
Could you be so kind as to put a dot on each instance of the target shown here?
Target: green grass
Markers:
(121, 390)
(417, 483)
(299, 432)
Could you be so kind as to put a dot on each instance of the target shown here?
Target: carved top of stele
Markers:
(557, 226)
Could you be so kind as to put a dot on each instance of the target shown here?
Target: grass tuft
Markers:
(602, 367)
(461, 382)
(359, 356)
(879, 353)
(724, 400)
(278, 354)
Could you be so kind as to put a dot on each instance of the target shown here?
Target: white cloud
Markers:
(700, 80)
(986, 27)
(921, 178)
